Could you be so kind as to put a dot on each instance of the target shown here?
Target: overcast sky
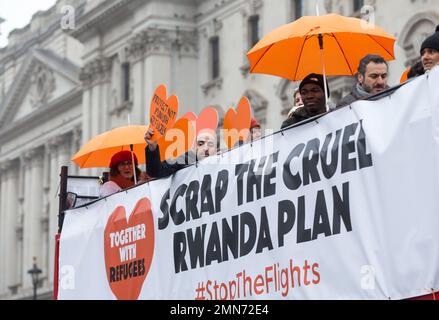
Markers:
(18, 14)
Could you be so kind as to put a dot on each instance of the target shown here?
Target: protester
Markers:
(255, 130)
(122, 174)
(430, 51)
(312, 91)
(416, 70)
(372, 78)
(297, 102)
(205, 146)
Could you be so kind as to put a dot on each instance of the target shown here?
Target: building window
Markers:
(358, 4)
(297, 9)
(125, 81)
(253, 27)
(215, 59)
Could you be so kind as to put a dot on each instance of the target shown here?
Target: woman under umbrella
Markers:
(122, 173)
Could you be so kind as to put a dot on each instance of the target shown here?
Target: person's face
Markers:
(298, 99)
(126, 169)
(255, 133)
(429, 58)
(206, 145)
(313, 98)
(374, 79)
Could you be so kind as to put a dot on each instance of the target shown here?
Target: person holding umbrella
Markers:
(312, 90)
(122, 173)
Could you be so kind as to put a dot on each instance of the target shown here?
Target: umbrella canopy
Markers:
(405, 75)
(98, 151)
(293, 51)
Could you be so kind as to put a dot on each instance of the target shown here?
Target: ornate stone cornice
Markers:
(102, 13)
(256, 5)
(61, 143)
(76, 135)
(36, 156)
(216, 83)
(162, 41)
(9, 168)
(50, 148)
(5, 167)
(95, 71)
(25, 159)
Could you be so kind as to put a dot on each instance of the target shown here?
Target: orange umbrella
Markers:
(404, 76)
(98, 151)
(297, 49)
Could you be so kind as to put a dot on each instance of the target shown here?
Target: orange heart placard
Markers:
(163, 111)
(190, 116)
(129, 249)
(237, 123)
(177, 140)
(207, 119)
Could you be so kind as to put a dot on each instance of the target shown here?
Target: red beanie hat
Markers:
(122, 156)
(254, 124)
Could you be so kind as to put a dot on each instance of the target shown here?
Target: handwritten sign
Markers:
(163, 111)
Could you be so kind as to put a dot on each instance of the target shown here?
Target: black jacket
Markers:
(296, 117)
(157, 169)
(351, 97)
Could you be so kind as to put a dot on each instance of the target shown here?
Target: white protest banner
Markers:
(344, 207)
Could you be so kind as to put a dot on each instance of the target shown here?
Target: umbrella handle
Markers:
(324, 70)
(133, 164)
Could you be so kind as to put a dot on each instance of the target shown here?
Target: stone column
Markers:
(95, 97)
(74, 148)
(63, 145)
(19, 222)
(12, 264)
(105, 96)
(136, 54)
(55, 170)
(26, 220)
(86, 79)
(36, 243)
(157, 63)
(4, 167)
(45, 207)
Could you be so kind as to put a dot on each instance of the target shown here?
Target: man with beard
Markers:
(312, 91)
(205, 146)
(371, 79)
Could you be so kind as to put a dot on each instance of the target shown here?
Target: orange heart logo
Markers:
(177, 140)
(163, 111)
(237, 124)
(208, 119)
(129, 248)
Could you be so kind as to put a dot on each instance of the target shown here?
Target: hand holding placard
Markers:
(237, 124)
(163, 112)
(177, 140)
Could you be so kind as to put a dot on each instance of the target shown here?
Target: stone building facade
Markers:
(83, 67)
